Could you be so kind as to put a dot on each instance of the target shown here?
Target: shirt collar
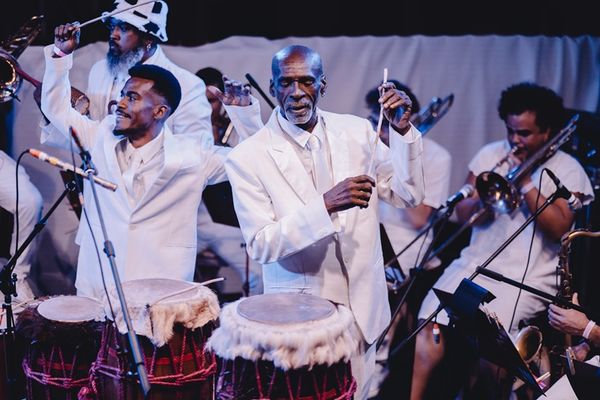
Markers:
(299, 135)
(147, 151)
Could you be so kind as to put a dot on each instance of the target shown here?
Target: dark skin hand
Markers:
(351, 192)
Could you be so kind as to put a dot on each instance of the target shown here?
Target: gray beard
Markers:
(119, 65)
(296, 119)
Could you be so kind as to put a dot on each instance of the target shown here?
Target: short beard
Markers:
(297, 120)
(119, 64)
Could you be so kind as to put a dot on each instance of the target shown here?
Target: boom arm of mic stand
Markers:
(110, 253)
(554, 299)
(487, 262)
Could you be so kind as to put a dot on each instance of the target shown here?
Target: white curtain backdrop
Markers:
(474, 68)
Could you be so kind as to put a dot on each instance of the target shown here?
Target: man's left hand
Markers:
(397, 107)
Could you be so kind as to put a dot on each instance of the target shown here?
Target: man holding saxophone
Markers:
(532, 115)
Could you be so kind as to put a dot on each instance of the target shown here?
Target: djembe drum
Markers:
(63, 337)
(285, 346)
(172, 320)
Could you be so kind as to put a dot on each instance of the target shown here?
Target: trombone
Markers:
(435, 110)
(499, 192)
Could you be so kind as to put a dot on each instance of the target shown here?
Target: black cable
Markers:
(537, 200)
(79, 189)
(16, 227)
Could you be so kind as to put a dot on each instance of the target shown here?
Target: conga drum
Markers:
(172, 320)
(284, 346)
(63, 337)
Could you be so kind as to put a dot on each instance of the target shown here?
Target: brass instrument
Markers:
(428, 117)
(12, 75)
(500, 192)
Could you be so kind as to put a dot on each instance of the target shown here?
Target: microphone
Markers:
(574, 202)
(69, 167)
(464, 192)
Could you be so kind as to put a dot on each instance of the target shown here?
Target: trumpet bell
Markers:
(496, 192)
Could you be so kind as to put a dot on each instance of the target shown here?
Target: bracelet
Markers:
(58, 52)
(527, 187)
(588, 329)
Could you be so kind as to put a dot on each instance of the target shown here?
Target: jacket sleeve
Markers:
(399, 169)
(56, 104)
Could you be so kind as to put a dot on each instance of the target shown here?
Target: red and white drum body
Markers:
(63, 335)
(285, 346)
(172, 319)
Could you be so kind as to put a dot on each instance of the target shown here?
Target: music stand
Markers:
(484, 333)
(586, 380)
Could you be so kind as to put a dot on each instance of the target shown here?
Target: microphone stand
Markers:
(137, 360)
(8, 288)
(508, 241)
(559, 300)
(443, 217)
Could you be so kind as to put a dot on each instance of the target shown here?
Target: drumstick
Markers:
(227, 133)
(379, 123)
(91, 21)
(193, 287)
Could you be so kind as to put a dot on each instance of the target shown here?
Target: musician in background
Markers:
(225, 241)
(532, 114)
(402, 225)
(134, 38)
(30, 212)
(306, 190)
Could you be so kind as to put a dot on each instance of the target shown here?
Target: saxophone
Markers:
(563, 271)
(565, 289)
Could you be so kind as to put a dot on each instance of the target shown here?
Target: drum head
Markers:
(71, 309)
(285, 308)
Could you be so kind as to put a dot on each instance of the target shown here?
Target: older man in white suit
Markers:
(306, 188)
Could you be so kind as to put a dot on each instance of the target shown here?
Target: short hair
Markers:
(528, 96)
(165, 83)
(211, 76)
(372, 97)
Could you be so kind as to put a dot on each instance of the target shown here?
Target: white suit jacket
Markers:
(282, 215)
(157, 237)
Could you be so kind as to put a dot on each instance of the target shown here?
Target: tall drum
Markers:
(172, 320)
(63, 335)
(285, 346)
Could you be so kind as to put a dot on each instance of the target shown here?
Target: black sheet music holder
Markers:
(586, 380)
(484, 332)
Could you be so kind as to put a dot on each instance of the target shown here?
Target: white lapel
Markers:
(173, 158)
(110, 143)
(340, 159)
(287, 162)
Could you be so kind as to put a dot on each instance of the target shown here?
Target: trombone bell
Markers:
(496, 192)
